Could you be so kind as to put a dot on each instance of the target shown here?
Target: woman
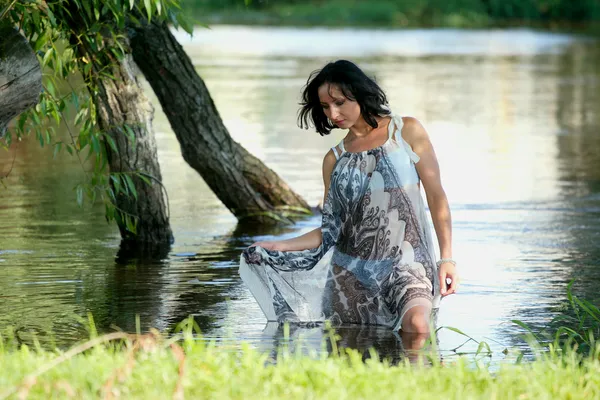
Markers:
(372, 260)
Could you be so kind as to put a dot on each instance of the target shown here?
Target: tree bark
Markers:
(122, 102)
(20, 76)
(249, 189)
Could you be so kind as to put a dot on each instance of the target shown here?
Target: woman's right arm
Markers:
(310, 239)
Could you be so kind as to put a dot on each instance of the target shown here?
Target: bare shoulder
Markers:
(328, 162)
(413, 130)
(414, 133)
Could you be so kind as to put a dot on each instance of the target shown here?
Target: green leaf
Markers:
(111, 194)
(526, 327)
(39, 136)
(131, 4)
(95, 144)
(88, 10)
(56, 116)
(22, 120)
(148, 6)
(130, 134)
(36, 18)
(483, 345)
(116, 182)
(57, 148)
(131, 185)
(144, 177)
(75, 99)
(40, 41)
(51, 16)
(80, 116)
(183, 22)
(50, 88)
(589, 308)
(456, 330)
(158, 4)
(47, 57)
(130, 223)
(109, 211)
(111, 143)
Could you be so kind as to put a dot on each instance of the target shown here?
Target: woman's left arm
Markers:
(429, 172)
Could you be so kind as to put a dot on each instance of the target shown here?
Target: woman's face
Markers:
(342, 111)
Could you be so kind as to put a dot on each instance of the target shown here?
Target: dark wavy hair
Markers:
(354, 84)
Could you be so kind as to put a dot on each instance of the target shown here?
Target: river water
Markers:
(514, 116)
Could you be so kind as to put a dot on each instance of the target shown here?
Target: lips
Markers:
(339, 122)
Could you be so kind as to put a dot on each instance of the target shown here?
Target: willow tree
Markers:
(112, 117)
(90, 85)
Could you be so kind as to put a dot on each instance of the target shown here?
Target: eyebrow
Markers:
(334, 100)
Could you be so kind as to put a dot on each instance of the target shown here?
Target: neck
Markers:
(361, 128)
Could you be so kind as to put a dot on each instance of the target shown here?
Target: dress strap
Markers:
(335, 152)
(342, 146)
(396, 125)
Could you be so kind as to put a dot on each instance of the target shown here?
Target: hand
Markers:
(448, 270)
(271, 245)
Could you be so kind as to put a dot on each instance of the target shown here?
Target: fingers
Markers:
(453, 285)
(443, 284)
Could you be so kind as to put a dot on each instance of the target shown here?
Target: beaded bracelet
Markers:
(445, 260)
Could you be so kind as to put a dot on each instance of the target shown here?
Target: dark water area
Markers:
(515, 120)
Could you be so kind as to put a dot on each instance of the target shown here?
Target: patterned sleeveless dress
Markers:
(376, 260)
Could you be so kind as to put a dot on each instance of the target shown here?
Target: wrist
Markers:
(446, 253)
(283, 246)
(444, 260)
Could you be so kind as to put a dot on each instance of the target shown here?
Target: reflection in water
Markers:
(367, 340)
(514, 117)
(578, 113)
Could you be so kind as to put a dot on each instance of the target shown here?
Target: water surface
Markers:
(514, 117)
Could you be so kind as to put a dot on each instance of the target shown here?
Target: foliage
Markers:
(151, 366)
(576, 327)
(77, 42)
(457, 13)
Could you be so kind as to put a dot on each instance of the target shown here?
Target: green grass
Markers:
(565, 365)
(198, 370)
(149, 366)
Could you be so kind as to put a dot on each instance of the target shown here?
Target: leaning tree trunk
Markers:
(249, 189)
(20, 76)
(122, 102)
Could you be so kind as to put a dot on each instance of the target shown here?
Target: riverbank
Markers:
(147, 367)
(382, 14)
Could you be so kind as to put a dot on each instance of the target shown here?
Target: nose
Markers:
(334, 114)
